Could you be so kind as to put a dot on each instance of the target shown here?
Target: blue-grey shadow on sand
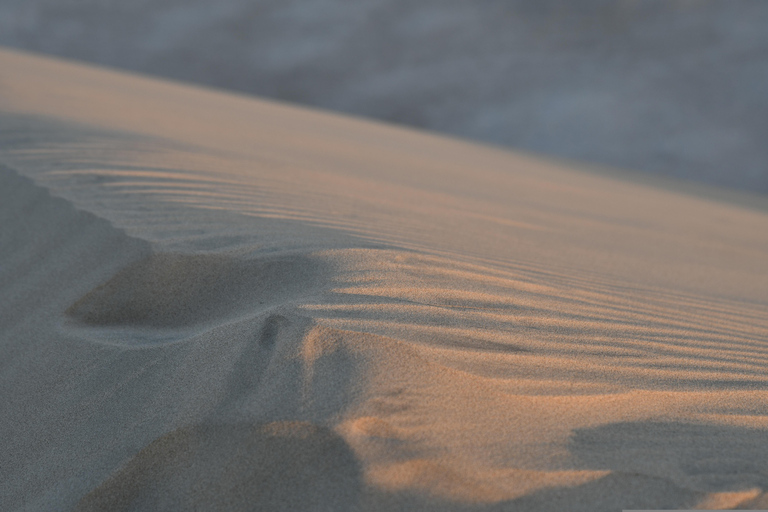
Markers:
(659, 465)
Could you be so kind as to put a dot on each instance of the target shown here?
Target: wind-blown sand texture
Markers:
(213, 302)
(672, 87)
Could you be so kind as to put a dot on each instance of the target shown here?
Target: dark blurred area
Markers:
(673, 87)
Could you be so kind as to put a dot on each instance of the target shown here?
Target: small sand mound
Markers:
(274, 466)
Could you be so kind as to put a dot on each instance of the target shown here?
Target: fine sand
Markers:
(211, 302)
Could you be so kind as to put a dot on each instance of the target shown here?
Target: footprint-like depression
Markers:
(166, 297)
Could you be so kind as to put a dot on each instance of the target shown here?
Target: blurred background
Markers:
(672, 87)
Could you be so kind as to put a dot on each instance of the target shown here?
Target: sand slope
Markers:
(672, 87)
(212, 301)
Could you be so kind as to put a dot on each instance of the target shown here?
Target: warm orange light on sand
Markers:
(210, 300)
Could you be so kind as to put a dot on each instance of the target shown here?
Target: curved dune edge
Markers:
(211, 299)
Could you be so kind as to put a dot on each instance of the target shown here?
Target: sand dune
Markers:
(215, 302)
(672, 87)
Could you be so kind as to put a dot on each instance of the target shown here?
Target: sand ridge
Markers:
(209, 300)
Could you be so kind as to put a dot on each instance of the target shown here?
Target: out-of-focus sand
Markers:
(209, 301)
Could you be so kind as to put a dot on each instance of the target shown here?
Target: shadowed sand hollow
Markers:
(177, 290)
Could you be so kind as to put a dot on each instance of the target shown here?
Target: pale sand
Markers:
(209, 301)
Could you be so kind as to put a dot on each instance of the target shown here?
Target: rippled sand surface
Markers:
(215, 302)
